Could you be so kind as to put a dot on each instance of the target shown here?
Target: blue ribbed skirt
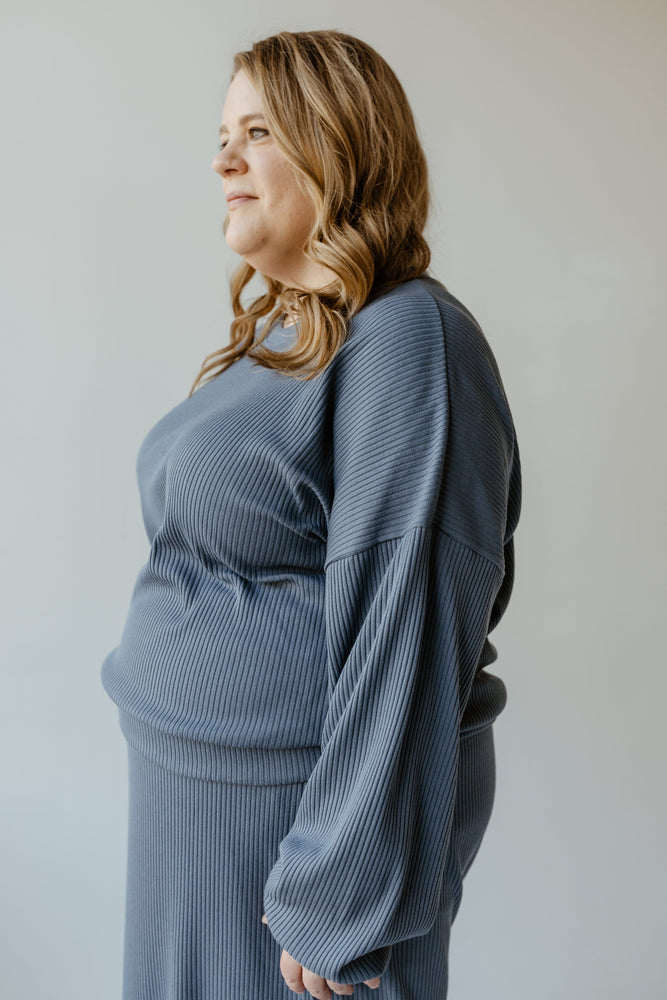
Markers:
(200, 851)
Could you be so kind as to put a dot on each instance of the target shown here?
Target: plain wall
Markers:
(543, 124)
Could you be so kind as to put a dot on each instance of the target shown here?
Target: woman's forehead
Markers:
(242, 98)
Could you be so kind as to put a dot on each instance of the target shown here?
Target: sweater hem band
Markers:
(244, 765)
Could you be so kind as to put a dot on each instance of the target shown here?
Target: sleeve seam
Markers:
(418, 527)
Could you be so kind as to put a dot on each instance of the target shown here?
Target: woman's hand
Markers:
(299, 979)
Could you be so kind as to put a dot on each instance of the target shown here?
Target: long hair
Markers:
(339, 114)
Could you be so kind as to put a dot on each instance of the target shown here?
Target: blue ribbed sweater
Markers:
(326, 560)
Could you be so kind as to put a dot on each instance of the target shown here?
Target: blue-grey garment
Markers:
(327, 558)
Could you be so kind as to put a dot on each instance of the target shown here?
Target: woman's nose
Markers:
(226, 159)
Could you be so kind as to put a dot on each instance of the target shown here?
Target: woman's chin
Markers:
(238, 246)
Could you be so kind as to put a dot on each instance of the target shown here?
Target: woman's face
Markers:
(269, 227)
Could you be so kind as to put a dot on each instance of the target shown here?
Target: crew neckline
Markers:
(278, 325)
(279, 336)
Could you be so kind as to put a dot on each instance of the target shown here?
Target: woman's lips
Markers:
(233, 202)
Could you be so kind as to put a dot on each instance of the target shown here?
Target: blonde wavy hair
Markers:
(339, 114)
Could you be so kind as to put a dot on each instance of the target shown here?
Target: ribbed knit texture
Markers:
(301, 677)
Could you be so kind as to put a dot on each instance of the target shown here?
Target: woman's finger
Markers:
(291, 972)
(316, 986)
(341, 989)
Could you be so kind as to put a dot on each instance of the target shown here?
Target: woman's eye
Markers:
(255, 128)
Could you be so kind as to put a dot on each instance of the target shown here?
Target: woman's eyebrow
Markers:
(242, 120)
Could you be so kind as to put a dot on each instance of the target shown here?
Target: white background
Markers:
(544, 128)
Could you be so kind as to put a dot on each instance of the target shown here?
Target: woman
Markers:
(301, 678)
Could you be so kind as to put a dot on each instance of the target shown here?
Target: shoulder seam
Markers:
(414, 528)
(470, 547)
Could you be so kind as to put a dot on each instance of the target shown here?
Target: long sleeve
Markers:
(408, 602)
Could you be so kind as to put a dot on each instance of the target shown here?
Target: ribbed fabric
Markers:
(199, 853)
(301, 677)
